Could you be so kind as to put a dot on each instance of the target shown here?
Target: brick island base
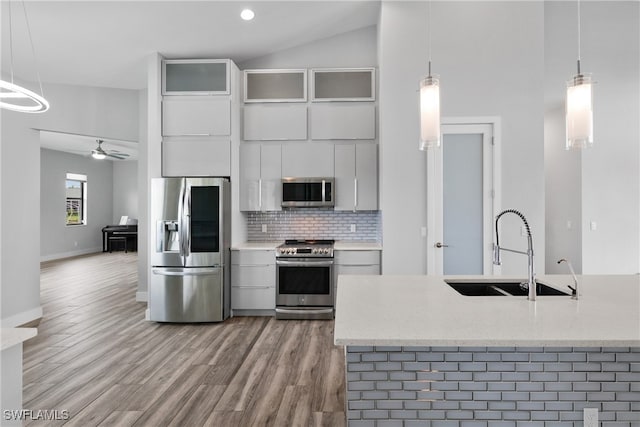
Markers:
(491, 386)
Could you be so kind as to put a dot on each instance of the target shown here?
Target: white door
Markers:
(461, 200)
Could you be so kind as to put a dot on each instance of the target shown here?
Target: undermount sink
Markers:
(493, 288)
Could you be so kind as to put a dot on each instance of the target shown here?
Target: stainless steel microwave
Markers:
(308, 192)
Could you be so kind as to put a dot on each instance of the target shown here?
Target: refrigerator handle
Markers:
(181, 218)
(187, 219)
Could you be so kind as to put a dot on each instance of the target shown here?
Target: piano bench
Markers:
(113, 239)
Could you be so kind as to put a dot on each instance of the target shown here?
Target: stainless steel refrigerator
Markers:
(190, 253)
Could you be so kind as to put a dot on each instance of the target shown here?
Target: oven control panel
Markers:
(305, 251)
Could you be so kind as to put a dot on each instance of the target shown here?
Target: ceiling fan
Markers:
(99, 153)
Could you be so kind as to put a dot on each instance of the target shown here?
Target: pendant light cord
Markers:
(579, 36)
(10, 43)
(429, 33)
(33, 50)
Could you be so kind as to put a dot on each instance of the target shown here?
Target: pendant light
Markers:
(579, 106)
(429, 103)
(18, 98)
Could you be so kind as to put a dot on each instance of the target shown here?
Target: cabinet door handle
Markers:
(260, 194)
(254, 287)
(355, 193)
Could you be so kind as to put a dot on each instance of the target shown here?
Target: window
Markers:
(76, 199)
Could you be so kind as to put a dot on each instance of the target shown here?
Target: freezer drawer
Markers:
(187, 295)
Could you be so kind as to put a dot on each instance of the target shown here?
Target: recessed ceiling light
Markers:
(247, 14)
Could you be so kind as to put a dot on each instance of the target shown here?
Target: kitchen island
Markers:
(420, 353)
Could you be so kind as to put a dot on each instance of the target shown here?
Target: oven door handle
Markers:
(305, 263)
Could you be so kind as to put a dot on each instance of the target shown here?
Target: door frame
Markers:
(434, 261)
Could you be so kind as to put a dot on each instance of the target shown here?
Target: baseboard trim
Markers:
(21, 319)
(62, 255)
(142, 297)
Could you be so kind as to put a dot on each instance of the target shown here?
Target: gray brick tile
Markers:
(558, 424)
(473, 424)
(601, 357)
(516, 415)
(431, 395)
(571, 416)
(628, 397)
(580, 405)
(618, 386)
(403, 414)
(486, 357)
(530, 406)
(628, 357)
(530, 349)
(458, 357)
(445, 424)
(616, 406)
(501, 386)
(545, 357)
(417, 404)
(458, 395)
(576, 395)
(486, 376)
(558, 367)
(588, 386)
(353, 395)
(501, 366)
(487, 395)
(443, 404)
(635, 367)
(413, 366)
(558, 406)
(430, 357)
(458, 376)
(532, 386)
(361, 404)
(430, 376)
(628, 416)
(402, 376)
(416, 423)
(353, 376)
(389, 385)
(587, 367)
(530, 367)
(389, 423)
(572, 376)
(473, 349)
(617, 424)
(353, 357)
(373, 357)
(445, 349)
(502, 424)
(415, 349)
(444, 386)
(359, 349)
(431, 415)
(531, 424)
(388, 348)
(388, 366)
(472, 366)
(501, 349)
(545, 395)
(487, 415)
(375, 395)
(514, 376)
(599, 396)
(572, 357)
(444, 366)
(634, 387)
(354, 415)
(545, 416)
(628, 376)
(615, 367)
(375, 414)
(402, 357)
(474, 405)
(602, 376)
(515, 357)
(558, 349)
(359, 367)
(472, 386)
(402, 395)
(515, 395)
(374, 376)
(615, 349)
(558, 386)
(460, 415)
(388, 404)
(360, 385)
(544, 376)
(416, 386)
(361, 423)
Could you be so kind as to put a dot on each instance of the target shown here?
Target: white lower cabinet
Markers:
(364, 262)
(253, 280)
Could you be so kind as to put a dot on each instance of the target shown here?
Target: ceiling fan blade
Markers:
(119, 156)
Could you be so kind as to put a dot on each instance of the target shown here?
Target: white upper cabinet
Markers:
(195, 77)
(343, 84)
(193, 156)
(275, 122)
(275, 85)
(356, 175)
(260, 177)
(342, 121)
(307, 159)
(196, 116)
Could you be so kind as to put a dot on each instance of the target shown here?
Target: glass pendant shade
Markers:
(429, 112)
(97, 155)
(579, 112)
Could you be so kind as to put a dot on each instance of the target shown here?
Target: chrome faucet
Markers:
(574, 289)
(531, 281)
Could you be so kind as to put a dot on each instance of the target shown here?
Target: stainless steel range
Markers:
(304, 280)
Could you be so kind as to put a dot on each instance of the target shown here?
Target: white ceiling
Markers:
(83, 144)
(106, 43)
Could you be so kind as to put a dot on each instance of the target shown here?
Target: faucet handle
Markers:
(496, 255)
(574, 291)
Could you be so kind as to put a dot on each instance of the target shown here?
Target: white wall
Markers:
(125, 189)
(490, 59)
(608, 191)
(58, 240)
(112, 113)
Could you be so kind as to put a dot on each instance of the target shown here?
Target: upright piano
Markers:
(130, 232)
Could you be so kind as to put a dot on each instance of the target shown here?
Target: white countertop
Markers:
(14, 336)
(341, 245)
(425, 311)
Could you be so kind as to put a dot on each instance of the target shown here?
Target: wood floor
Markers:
(97, 358)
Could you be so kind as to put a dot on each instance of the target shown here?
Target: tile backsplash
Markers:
(314, 223)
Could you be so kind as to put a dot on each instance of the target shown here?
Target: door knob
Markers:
(440, 245)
